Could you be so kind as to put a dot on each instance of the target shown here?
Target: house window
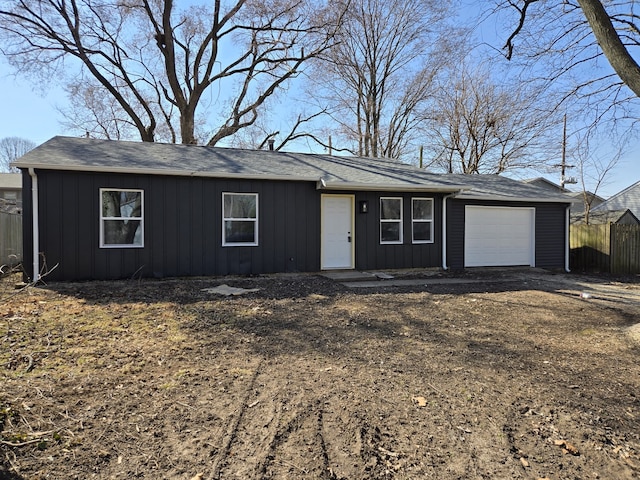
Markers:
(121, 218)
(422, 220)
(390, 220)
(239, 219)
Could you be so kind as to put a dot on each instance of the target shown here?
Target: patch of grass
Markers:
(588, 331)
(240, 372)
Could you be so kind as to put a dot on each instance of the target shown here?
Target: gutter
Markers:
(444, 229)
(35, 226)
(567, 247)
(503, 198)
(374, 187)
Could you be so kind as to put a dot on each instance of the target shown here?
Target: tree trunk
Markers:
(612, 47)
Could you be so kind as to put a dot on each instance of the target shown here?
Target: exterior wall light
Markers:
(364, 206)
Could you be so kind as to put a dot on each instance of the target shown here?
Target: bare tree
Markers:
(160, 65)
(583, 44)
(594, 169)
(12, 148)
(377, 79)
(480, 126)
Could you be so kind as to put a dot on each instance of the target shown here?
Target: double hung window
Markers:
(422, 220)
(121, 218)
(239, 219)
(390, 220)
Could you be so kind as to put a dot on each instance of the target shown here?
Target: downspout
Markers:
(567, 238)
(444, 229)
(35, 226)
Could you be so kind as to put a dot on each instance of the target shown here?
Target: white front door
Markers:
(337, 232)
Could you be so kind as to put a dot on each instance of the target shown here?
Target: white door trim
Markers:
(348, 247)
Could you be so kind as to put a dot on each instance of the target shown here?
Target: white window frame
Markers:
(420, 220)
(392, 220)
(254, 220)
(140, 218)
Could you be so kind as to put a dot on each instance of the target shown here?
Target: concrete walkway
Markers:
(357, 279)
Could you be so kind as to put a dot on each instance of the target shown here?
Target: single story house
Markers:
(100, 209)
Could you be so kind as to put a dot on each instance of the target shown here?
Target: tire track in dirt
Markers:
(233, 426)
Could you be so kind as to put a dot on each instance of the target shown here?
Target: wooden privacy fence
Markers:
(608, 248)
(10, 238)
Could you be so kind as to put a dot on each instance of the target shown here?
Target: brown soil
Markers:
(506, 378)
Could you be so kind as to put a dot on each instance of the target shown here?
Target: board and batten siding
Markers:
(551, 235)
(372, 255)
(182, 227)
(550, 231)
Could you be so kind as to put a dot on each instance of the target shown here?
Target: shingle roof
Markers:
(330, 172)
(627, 198)
(605, 216)
(496, 187)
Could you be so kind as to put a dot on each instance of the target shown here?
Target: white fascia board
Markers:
(322, 185)
(168, 172)
(499, 198)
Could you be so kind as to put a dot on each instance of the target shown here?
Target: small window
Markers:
(121, 218)
(422, 220)
(390, 220)
(239, 219)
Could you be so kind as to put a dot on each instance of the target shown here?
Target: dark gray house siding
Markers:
(551, 235)
(371, 254)
(550, 231)
(182, 227)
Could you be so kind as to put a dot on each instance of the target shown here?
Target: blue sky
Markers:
(33, 115)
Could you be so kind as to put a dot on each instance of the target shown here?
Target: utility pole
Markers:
(564, 151)
(563, 165)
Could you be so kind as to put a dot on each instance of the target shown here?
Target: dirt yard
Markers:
(499, 376)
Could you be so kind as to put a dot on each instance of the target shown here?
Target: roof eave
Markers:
(323, 185)
(167, 172)
(500, 198)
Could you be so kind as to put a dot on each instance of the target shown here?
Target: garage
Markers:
(499, 236)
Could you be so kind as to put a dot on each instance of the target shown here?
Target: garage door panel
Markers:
(499, 236)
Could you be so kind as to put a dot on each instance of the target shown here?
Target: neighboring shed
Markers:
(10, 192)
(629, 198)
(580, 198)
(599, 217)
(104, 209)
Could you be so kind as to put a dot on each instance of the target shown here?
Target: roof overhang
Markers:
(406, 187)
(167, 172)
(321, 184)
(499, 198)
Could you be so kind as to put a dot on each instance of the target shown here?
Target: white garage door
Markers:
(499, 236)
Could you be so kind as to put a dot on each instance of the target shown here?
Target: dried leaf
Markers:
(419, 401)
(524, 462)
(571, 449)
(567, 447)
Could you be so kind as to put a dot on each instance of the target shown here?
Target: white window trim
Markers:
(414, 221)
(255, 220)
(400, 221)
(141, 218)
